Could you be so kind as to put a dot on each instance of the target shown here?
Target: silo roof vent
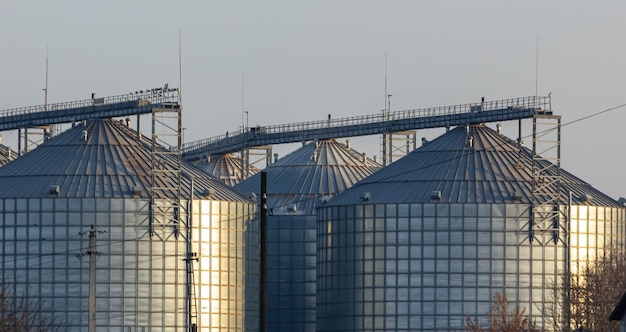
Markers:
(585, 198)
(366, 196)
(137, 191)
(435, 195)
(54, 190)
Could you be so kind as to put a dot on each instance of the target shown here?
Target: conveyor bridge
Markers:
(139, 102)
(384, 122)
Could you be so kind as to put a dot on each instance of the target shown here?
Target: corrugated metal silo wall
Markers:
(140, 279)
(426, 266)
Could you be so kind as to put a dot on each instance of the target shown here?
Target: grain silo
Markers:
(296, 185)
(428, 240)
(93, 182)
(226, 168)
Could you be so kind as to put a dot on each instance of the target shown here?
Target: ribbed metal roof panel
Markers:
(490, 170)
(111, 163)
(226, 168)
(318, 169)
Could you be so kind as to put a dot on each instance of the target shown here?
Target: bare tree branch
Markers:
(502, 318)
(18, 312)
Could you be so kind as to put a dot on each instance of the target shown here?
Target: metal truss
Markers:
(166, 161)
(251, 156)
(545, 225)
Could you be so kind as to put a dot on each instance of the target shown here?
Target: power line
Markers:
(471, 151)
(109, 243)
(594, 114)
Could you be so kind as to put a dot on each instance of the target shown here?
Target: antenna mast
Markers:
(53, 128)
(180, 70)
(45, 90)
(537, 68)
(386, 137)
(243, 123)
(385, 80)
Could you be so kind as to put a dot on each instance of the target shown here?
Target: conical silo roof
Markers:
(226, 168)
(109, 163)
(317, 169)
(489, 169)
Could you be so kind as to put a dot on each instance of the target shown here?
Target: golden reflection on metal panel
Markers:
(430, 271)
(140, 281)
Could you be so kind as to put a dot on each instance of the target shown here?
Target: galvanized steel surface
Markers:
(297, 182)
(111, 162)
(138, 103)
(226, 168)
(489, 169)
(485, 111)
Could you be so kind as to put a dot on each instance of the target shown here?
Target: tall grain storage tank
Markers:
(94, 180)
(296, 185)
(428, 240)
(226, 168)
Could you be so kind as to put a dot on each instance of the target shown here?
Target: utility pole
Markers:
(92, 253)
(92, 279)
(263, 250)
(189, 259)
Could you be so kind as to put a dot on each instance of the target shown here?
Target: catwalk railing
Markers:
(138, 102)
(384, 122)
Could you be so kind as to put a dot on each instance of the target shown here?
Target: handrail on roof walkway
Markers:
(446, 116)
(139, 102)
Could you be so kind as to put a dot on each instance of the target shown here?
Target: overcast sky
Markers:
(302, 60)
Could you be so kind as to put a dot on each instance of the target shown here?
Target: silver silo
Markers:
(296, 185)
(226, 168)
(98, 174)
(428, 240)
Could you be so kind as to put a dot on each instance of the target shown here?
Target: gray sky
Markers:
(302, 60)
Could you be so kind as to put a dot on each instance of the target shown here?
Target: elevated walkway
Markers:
(398, 121)
(140, 102)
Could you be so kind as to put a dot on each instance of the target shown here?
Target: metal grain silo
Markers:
(296, 185)
(95, 180)
(428, 240)
(226, 168)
